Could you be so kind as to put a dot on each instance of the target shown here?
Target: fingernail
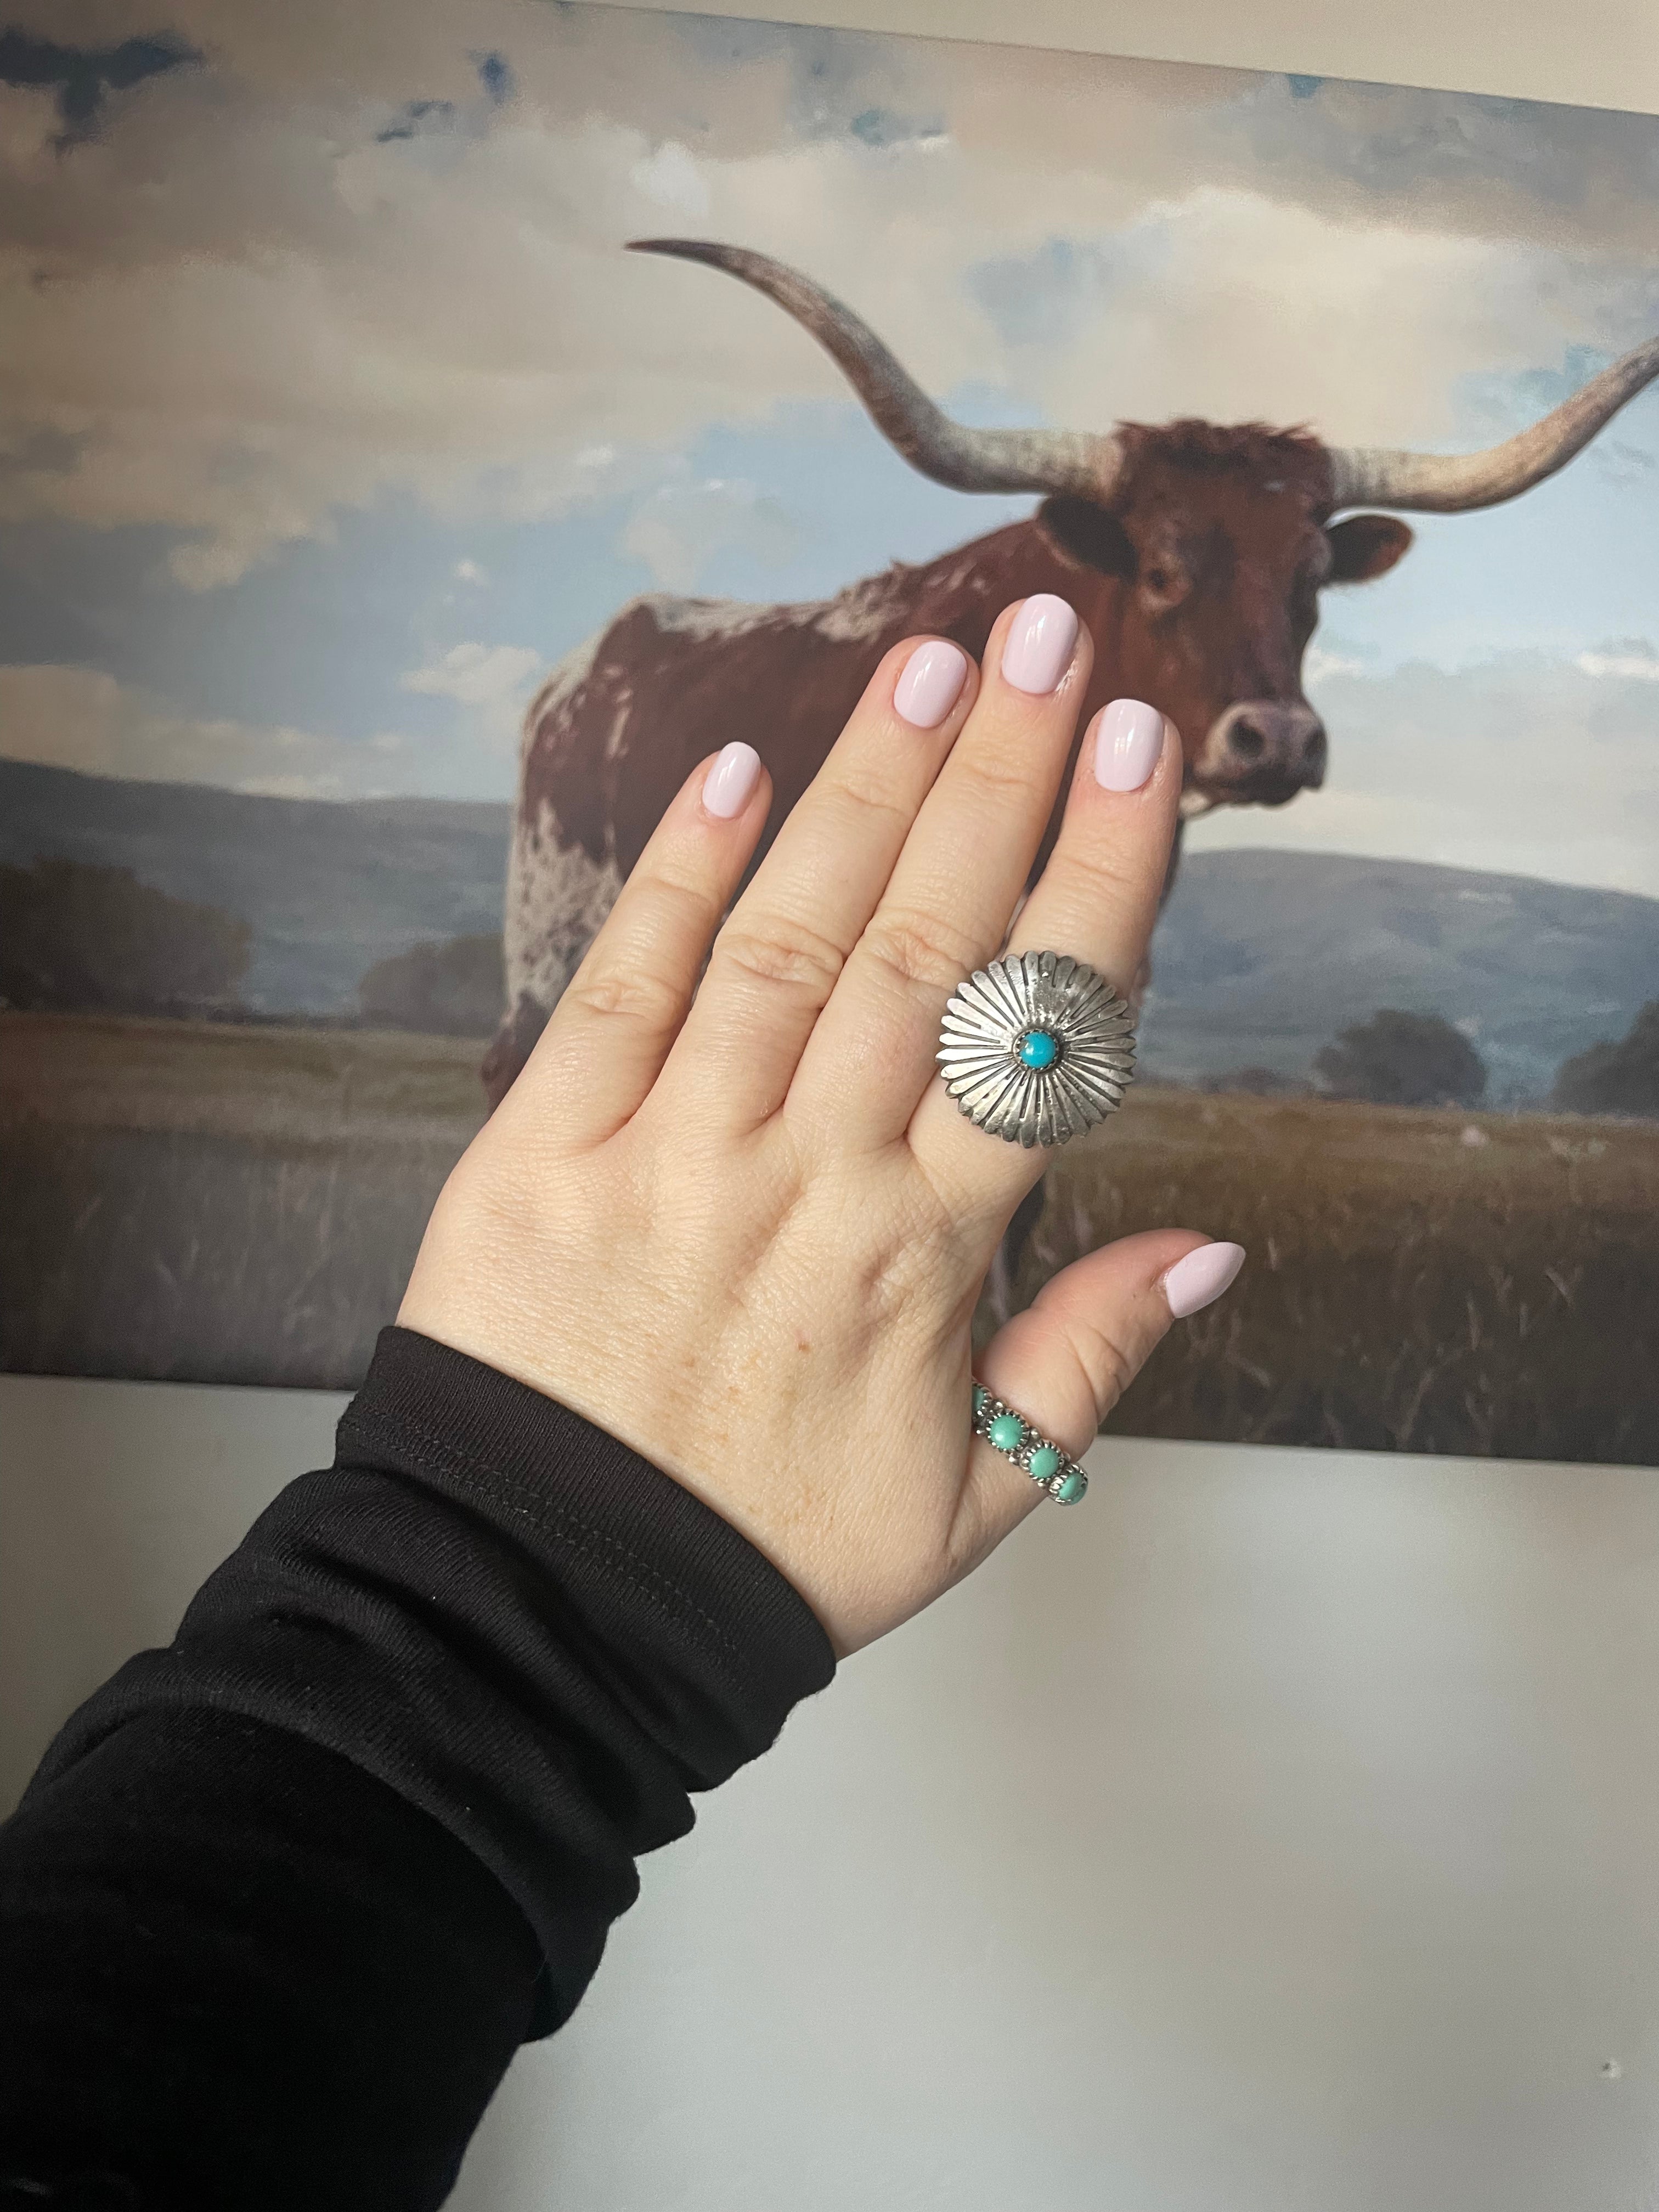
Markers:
(728, 784)
(930, 683)
(1037, 650)
(1199, 1279)
(1128, 742)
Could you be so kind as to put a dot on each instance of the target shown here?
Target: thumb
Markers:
(1065, 1362)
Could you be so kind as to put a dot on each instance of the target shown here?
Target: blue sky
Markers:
(336, 413)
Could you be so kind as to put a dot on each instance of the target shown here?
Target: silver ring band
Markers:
(1018, 1439)
(1036, 1047)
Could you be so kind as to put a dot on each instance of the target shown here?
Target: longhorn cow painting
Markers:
(419, 450)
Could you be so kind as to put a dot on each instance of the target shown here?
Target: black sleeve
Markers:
(282, 1899)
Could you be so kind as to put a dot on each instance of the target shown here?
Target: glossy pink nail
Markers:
(1037, 650)
(1129, 741)
(1199, 1279)
(729, 783)
(930, 683)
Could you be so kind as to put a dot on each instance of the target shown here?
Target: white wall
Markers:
(1277, 1833)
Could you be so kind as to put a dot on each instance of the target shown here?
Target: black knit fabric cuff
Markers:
(508, 1617)
(617, 1522)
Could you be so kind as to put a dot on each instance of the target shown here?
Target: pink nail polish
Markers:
(930, 683)
(1037, 650)
(1199, 1279)
(1129, 741)
(728, 785)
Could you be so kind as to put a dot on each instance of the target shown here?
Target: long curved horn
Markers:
(1080, 462)
(1445, 484)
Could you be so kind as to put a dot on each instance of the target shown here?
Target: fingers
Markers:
(783, 947)
(1067, 1360)
(1098, 899)
(945, 909)
(605, 1044)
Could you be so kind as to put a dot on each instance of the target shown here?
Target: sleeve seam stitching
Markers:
(560, 1523)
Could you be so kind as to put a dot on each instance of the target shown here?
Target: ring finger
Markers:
(1098, 900)
(946, 904)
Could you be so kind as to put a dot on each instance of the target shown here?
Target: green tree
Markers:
(1398, 1059)
(452, 989)
(75, 937)
(1615, 1077)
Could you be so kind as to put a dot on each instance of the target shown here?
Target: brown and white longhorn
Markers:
(1196, 553)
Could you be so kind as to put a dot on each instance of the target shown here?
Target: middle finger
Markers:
(955, 884)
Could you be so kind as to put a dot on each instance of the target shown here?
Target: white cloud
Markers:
(471, 572)
(1631, 661)
(1318, 665)
(1520, 765)
(671, 177)
(478, 675)
(244, 313)
(679, 529)
(81, 718)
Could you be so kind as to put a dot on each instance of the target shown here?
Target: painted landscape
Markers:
(242, 1204)
(239, 1198)
(340, 415)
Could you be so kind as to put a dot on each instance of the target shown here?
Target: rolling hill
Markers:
(1260, 958)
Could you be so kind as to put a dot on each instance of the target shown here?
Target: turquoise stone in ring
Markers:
(1036, 1049)
(1012, 1435)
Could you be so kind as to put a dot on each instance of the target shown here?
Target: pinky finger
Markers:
(608, 1037)
(1067, 1360)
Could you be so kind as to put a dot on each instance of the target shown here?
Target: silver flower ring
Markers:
(1036, 1047)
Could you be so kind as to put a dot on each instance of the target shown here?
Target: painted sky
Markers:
(331, 410)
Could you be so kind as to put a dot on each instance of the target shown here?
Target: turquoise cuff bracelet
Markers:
(1015, 1437)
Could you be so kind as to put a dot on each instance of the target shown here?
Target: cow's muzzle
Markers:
(1260, 753)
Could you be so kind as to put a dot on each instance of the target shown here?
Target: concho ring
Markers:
(1036, 1047)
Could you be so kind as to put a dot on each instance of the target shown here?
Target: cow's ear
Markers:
(1089, 535)
(1365, 546)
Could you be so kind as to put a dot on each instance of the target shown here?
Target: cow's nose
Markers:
(1271, 743)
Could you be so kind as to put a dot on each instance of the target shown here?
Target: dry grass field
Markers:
(243, 1205)
(202, 1202)
(1437, 1282)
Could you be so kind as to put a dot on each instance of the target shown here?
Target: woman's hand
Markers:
(738, 1222)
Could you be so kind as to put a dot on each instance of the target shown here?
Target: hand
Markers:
(740, 1223)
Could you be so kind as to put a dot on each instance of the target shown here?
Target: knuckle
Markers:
(921, 950)
(779, 949)
(638, 995)
(1108, 1368)
(682, 897)
(862, 793)
(1103, 870)
(1001, 776)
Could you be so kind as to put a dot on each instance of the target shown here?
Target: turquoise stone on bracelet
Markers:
(1072, 1488)
(1039, 1048)
(1007, 1432)
(982, 1400)
(1044, 1463)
